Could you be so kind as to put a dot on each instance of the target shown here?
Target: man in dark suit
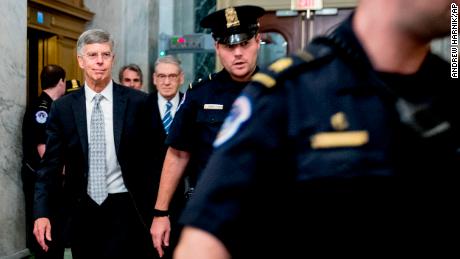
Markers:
(97, 133)
(167, 77)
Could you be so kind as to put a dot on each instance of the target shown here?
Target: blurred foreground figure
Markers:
(350, 147)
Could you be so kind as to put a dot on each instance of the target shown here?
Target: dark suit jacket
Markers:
(68, 145)
(178, 201)
(157, 125)
(159, 138)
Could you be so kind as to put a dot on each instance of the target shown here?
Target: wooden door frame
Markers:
(54, 26)
(286, 26)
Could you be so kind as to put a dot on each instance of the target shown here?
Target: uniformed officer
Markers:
(205, 106)
(34, 139)
(350, 149)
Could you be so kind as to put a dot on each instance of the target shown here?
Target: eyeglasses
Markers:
(95, 55)
(171, 77)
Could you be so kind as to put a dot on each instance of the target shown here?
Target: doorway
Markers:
(37, 58)
(53, 28)
(287, 32)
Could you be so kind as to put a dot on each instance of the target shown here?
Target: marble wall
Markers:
(135, 25)
(13, 49)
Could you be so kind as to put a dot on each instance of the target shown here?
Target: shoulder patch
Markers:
(264, 79)
(41, 117)
(282, 68)
(305, 56)
(281, 64)
(240, 112)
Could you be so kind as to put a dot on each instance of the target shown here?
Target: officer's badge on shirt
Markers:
(41, 117)
(212, 106)
(240, 112)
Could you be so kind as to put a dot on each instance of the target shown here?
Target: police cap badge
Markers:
(234, 25)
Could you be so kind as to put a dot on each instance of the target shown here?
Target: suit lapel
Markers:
(157, 113)
(79, 111)
(119, 109)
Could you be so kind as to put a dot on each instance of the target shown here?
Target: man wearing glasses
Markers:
(167, 78)
(98, 133)
(204, 108)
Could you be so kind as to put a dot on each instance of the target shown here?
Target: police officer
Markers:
(205, 106)
(34, 139)
(348, 149)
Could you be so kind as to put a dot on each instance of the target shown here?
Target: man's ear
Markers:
(80, 61)
(154, 78)
(258, 37)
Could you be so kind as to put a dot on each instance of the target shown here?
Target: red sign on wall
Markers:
(306, 4)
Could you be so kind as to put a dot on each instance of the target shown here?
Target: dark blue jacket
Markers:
(322, 154)
(200, 116)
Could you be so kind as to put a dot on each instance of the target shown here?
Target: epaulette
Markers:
(201, 81)
(282, 67)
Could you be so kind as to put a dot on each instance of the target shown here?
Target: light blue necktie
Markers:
(97, 184)
(167, 119)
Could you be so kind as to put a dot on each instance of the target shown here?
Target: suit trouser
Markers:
(113, 229)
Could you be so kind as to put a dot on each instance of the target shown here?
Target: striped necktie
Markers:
(97, 184)
(167, 119)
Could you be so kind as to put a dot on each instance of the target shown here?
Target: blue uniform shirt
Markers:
(34, 129)
(322, 154)
(201, 113)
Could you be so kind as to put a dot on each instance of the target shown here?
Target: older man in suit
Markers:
(96, 133)
(167, 77)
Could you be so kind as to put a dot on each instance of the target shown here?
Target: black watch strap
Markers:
(160, 213)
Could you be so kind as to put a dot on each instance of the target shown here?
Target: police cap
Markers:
(234, 25)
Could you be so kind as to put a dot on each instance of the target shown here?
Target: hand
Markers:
(160, 231)
(42, 230)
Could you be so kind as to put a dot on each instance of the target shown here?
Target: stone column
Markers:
(13, 50)
(134, 26)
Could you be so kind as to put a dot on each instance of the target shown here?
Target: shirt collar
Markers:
(162, 100)
(107, 92)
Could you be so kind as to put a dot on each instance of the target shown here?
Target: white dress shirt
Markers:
(162, 104)
(115, 182)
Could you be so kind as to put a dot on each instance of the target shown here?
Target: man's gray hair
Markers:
(168, 59)
(94, 36)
